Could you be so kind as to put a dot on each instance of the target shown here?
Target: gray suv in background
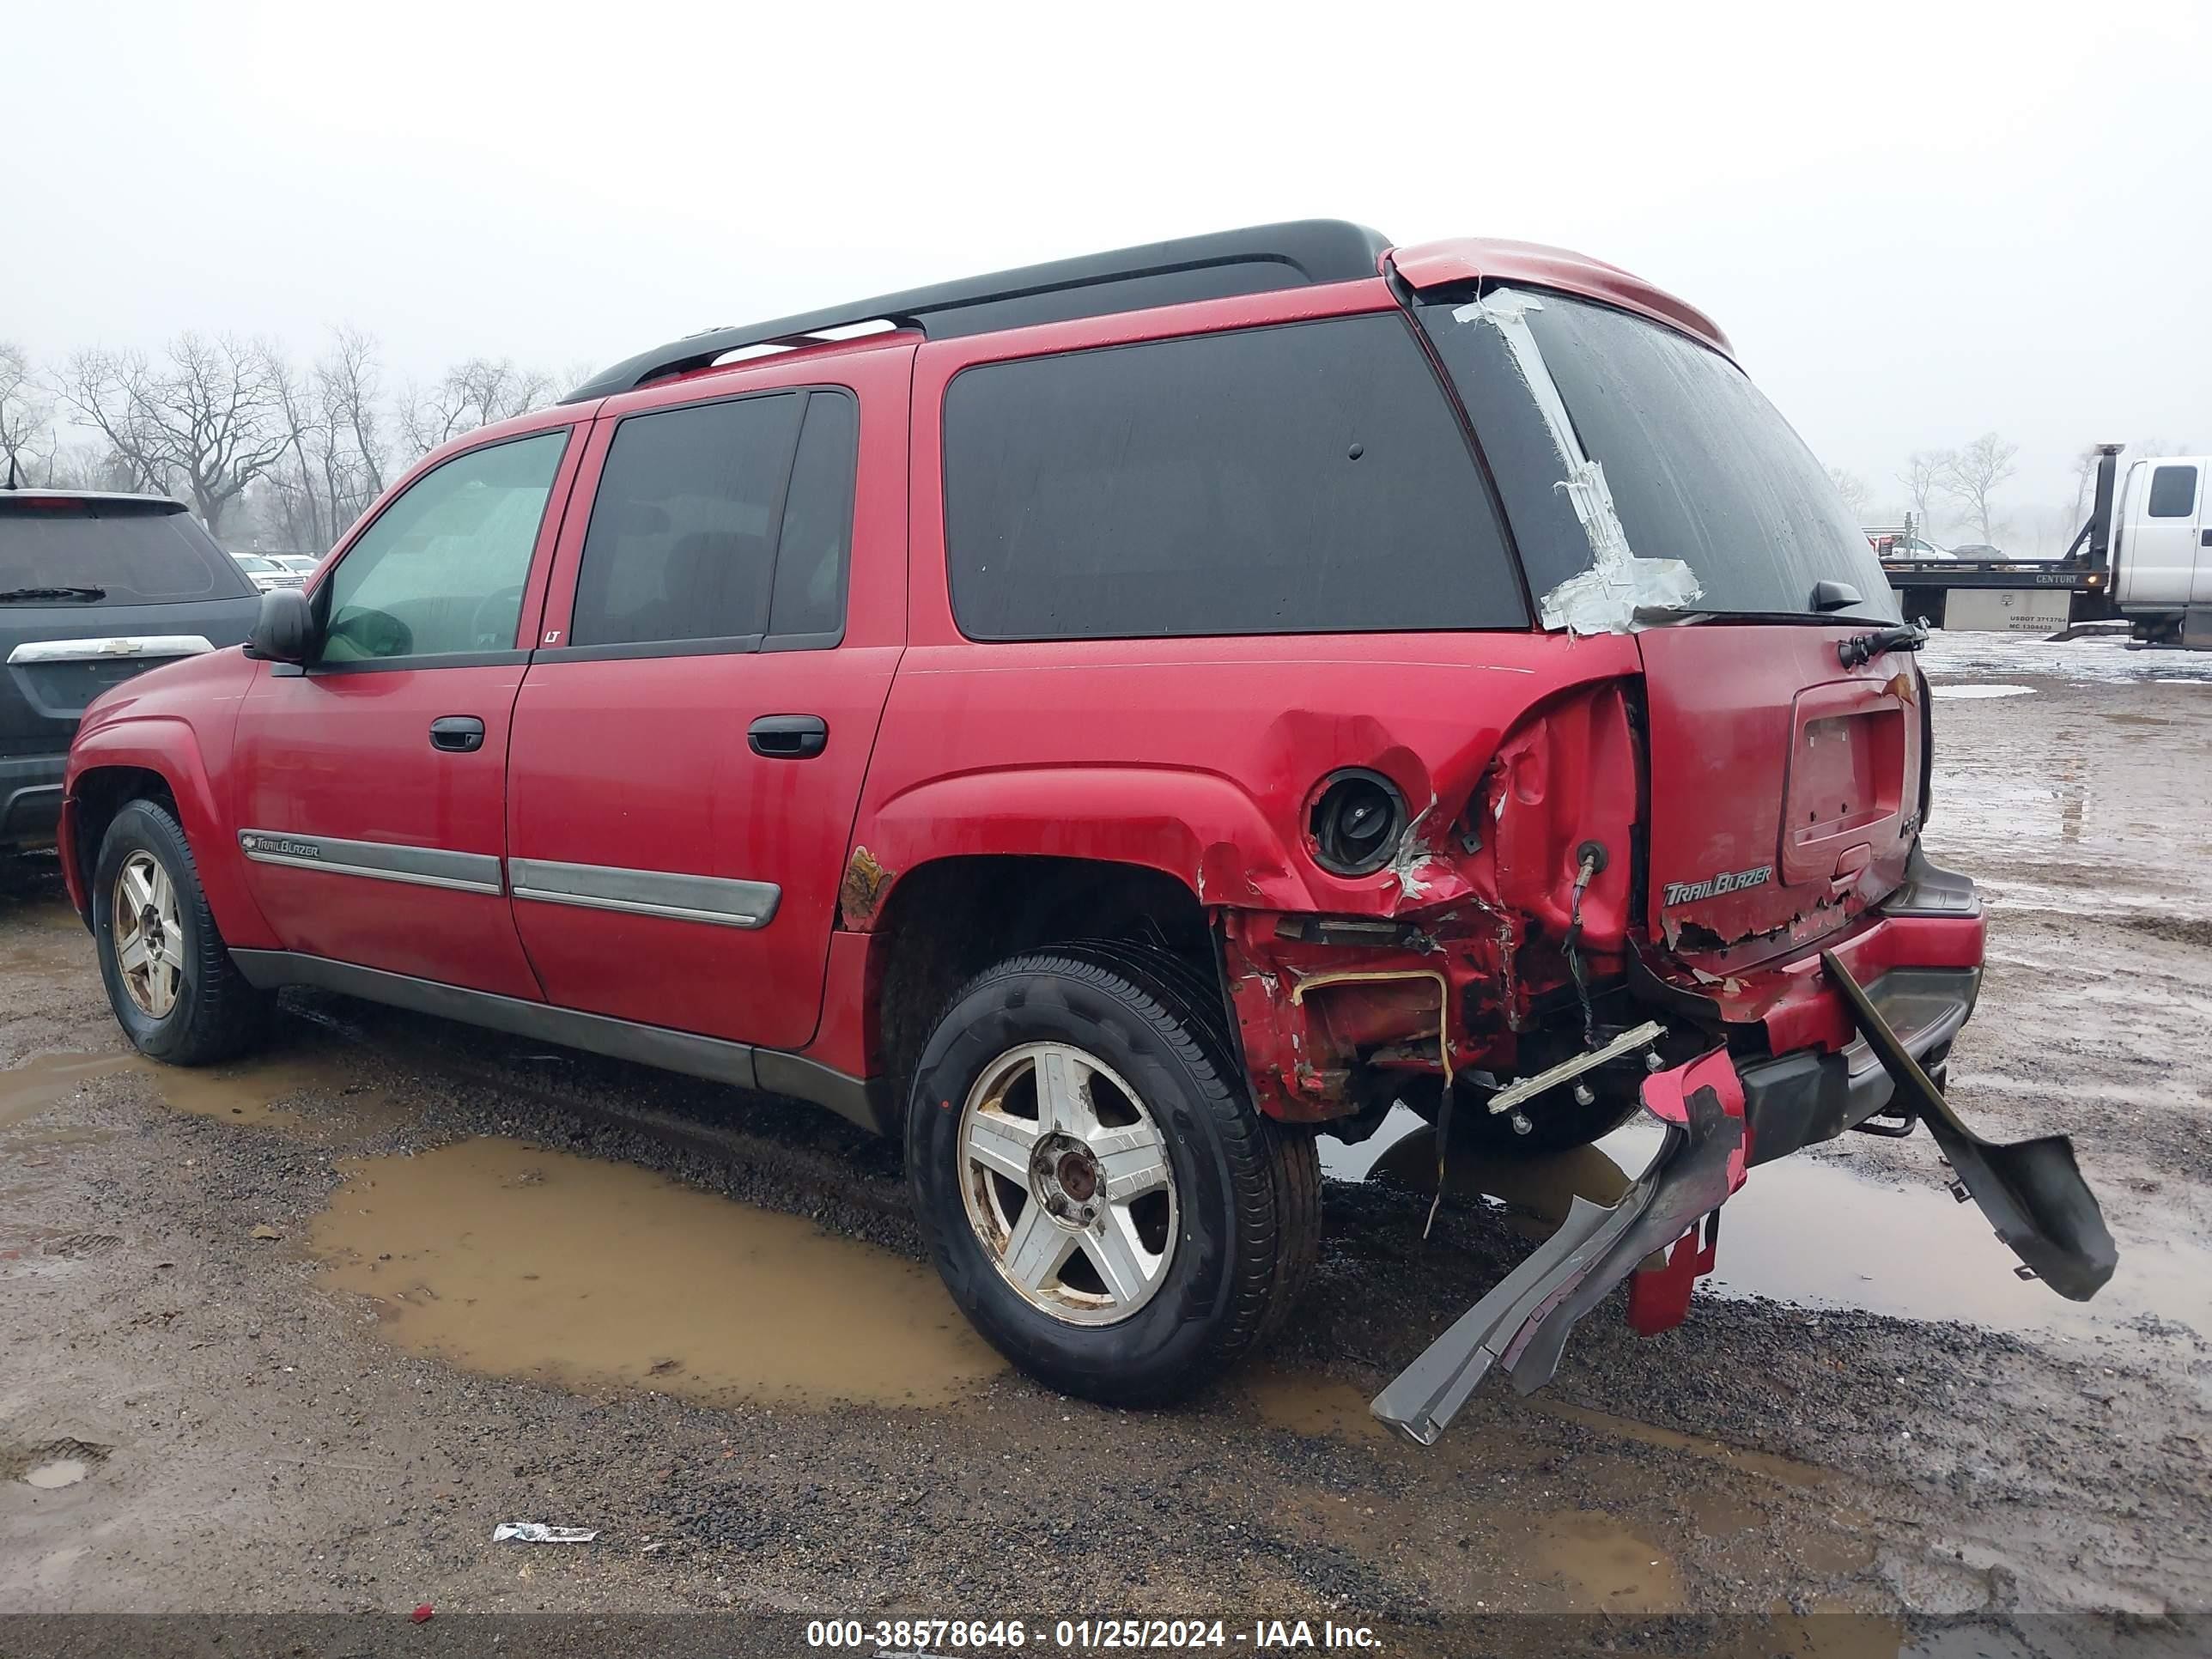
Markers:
(94, 588)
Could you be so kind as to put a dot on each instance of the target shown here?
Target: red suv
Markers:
(1105, 722)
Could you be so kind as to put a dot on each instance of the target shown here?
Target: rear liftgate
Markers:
(2031, 1191)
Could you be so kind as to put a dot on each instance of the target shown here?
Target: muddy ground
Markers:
(296, 1336)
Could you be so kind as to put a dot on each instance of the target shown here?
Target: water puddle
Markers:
(507, 1258)
(1811, 1231)
(1945, 693)
(1787, 1470)
(248, 1093)
(62, 1472)
(1315, 1406)
(1604, 1567)
(45, 1080)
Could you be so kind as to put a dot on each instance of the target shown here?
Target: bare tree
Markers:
(1970, 476)
(86, 466)
(25, 410)
(103, 389)
(1921, 478)
(205, 420)
(2085, 481)
(352, 382)
(1853, 488)
(333, 462)
(1923, 481)
(469, 395)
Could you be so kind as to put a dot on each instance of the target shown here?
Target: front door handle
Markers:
(457, 734)
(788, 737)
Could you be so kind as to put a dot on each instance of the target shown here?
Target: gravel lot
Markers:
(296, 1336)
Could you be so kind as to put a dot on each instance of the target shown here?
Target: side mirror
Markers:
(285, 629)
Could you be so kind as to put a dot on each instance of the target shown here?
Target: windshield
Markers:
(1699, 466)
(140, 557)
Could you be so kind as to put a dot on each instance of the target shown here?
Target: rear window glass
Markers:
(2172, 492)
(139, 557)
(1699, 465)
(1305, 479)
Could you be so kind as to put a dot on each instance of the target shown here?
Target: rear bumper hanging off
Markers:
(1523, 1324)
(2031, 1191)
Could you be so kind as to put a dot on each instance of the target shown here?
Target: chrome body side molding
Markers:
(721, 900)
(418, 867)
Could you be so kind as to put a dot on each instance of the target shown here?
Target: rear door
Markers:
(371, 805)
(691, 736)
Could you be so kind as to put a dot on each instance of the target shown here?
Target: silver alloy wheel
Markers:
(1067, 1183)
(149, 934)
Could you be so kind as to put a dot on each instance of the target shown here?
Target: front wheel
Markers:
(1099, 1194)
(170, 979)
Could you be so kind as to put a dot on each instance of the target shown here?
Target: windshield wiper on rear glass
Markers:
(1865, 647)
(24, 595)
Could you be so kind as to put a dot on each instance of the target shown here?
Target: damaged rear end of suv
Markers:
(1686, 879)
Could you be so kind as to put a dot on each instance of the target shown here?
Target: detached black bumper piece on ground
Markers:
(1523, 1324)
(2030, 1190)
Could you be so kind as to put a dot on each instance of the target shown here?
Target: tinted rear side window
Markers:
(139, 557)
(2172, 492)
(811, 554)
(682, 543)
(1310, 478)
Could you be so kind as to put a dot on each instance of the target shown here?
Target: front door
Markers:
(691, 736)
(372, 789)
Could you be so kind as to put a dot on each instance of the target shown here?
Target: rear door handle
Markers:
(788, 737)
(457, 734)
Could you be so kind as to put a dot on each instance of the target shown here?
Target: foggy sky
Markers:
(1918, 221)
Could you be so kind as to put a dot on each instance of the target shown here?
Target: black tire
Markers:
(1248, 1192)
(217, 1015)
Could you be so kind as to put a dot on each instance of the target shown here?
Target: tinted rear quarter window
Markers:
(816, 545)
(140, 557)
(1306, 478)
(2172, 492)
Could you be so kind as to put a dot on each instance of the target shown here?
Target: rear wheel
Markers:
(1100, 1195)
(169, 976)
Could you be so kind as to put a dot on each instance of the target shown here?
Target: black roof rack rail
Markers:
(1260, 260)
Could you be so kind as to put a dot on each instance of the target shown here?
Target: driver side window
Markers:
(441, 570)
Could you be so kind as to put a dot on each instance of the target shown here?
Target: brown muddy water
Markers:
(1812, 1230)
(505, 1258)
(251, 1093)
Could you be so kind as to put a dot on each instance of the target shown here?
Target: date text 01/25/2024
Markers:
(947, 1639)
